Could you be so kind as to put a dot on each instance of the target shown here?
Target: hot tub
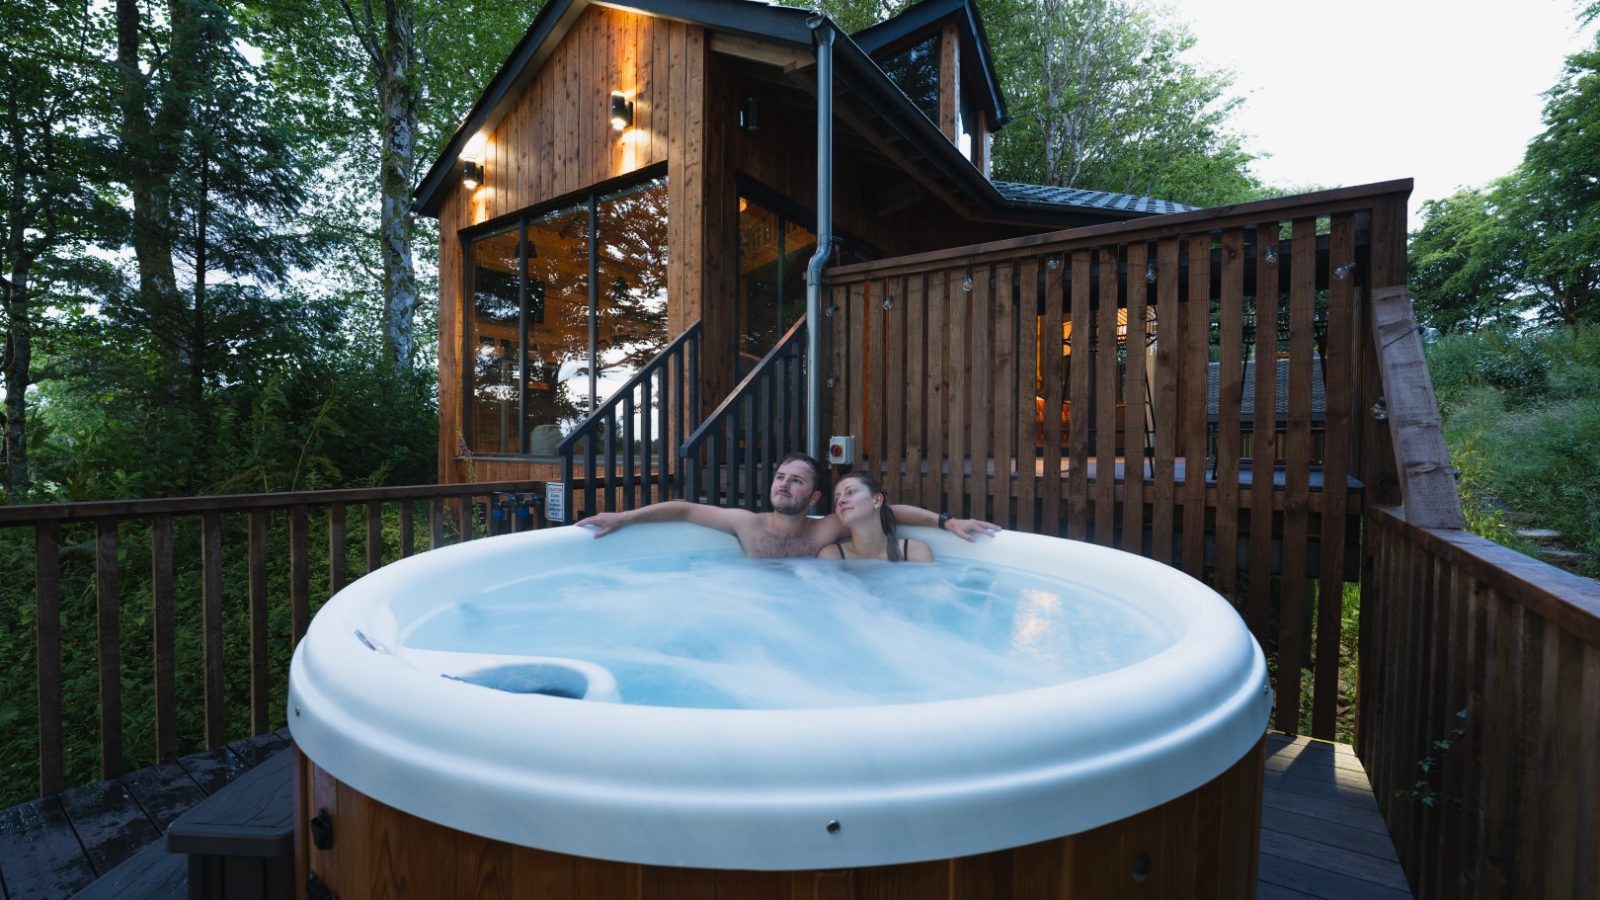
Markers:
(525, 763)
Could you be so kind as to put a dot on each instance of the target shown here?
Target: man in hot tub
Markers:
(786, 530)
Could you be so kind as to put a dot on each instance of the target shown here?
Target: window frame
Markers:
(589, 199)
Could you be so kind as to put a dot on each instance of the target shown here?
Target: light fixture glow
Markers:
(471, 174)
(621, 111)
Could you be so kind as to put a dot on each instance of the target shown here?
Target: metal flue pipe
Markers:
(824, 33)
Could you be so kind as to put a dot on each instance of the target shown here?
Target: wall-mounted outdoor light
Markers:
(621, 111)
(471, 174)
(750, 116)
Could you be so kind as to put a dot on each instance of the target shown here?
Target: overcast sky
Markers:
(1446, 93)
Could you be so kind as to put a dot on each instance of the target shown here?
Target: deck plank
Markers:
(40, 854)
(164, 791)
(213, 769)
(109, 822)
(1330, 833)
(150, 874)
(1321, 883)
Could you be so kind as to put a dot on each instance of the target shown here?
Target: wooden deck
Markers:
(1321, 835)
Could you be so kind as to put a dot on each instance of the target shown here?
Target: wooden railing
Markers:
(1479, 719)
(997, 381)
(730, 458)
(637, 429)
(210, 559)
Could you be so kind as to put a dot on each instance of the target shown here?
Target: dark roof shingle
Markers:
(1017, 192)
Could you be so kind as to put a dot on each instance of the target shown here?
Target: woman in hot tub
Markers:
(859, 502)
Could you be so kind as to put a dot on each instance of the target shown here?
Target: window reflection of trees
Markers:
(915, 70)
(630, 316)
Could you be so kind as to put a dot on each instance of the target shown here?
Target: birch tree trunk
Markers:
(391, 47)
(17, 373)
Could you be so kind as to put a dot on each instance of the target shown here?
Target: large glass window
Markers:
(773, 253)
(915, 70)
(563, 308)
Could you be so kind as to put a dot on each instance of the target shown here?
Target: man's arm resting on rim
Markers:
(725, 520)
(966, 529)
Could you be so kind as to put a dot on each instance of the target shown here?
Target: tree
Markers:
(1461, 275)
(52, 113)
(409, 71)
(1552, 201)
(1103, 99)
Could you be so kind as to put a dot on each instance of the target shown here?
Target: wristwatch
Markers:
(943, 518)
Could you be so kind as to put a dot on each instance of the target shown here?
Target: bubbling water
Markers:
(715, 630)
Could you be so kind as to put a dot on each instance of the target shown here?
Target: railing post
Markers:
(47, 588)
(162, 636)
(211, 625)
(108, 604)
(258, 620)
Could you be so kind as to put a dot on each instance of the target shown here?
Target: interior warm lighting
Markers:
(621, 111)
(471, 174)
(1066, 338)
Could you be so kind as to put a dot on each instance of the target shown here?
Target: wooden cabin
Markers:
(621, 306)
(584, 241)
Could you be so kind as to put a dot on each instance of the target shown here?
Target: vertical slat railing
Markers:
(162, 634)
(1195, 361)
(1262, 448)
(186, 595)
(1053, 374)
(1483, 666)
(260, 692)
(624, 444)
(108, 605)
(728, 459)
(1106, 386)
(47, 589)
(1188, 418)
(912, 488)
(1081, 371)
(938, 377)
(1164, 403)
(211, 626)
(1002, 343)
(1339, 384)
(1230, 400)
(1134, 398)
(1024, 390)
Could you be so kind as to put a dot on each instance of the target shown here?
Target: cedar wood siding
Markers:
(556, 142)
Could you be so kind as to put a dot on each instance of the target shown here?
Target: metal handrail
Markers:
(772, 400)
(674, 372)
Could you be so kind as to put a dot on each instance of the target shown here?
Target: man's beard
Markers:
(797, 506)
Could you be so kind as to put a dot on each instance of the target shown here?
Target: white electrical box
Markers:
(842, 449)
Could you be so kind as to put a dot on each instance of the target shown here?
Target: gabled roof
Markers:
(974, 42)
(897, 118)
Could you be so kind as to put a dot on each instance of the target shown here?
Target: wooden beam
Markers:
(1421, 457)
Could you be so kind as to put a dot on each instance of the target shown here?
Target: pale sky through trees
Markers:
(1447, 92)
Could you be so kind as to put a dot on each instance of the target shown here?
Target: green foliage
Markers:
(1423, 790)
(1103, 97)
(1460, 272)
(1521, 412)
(1554, 198)
(1531, 240)
(78, 627)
